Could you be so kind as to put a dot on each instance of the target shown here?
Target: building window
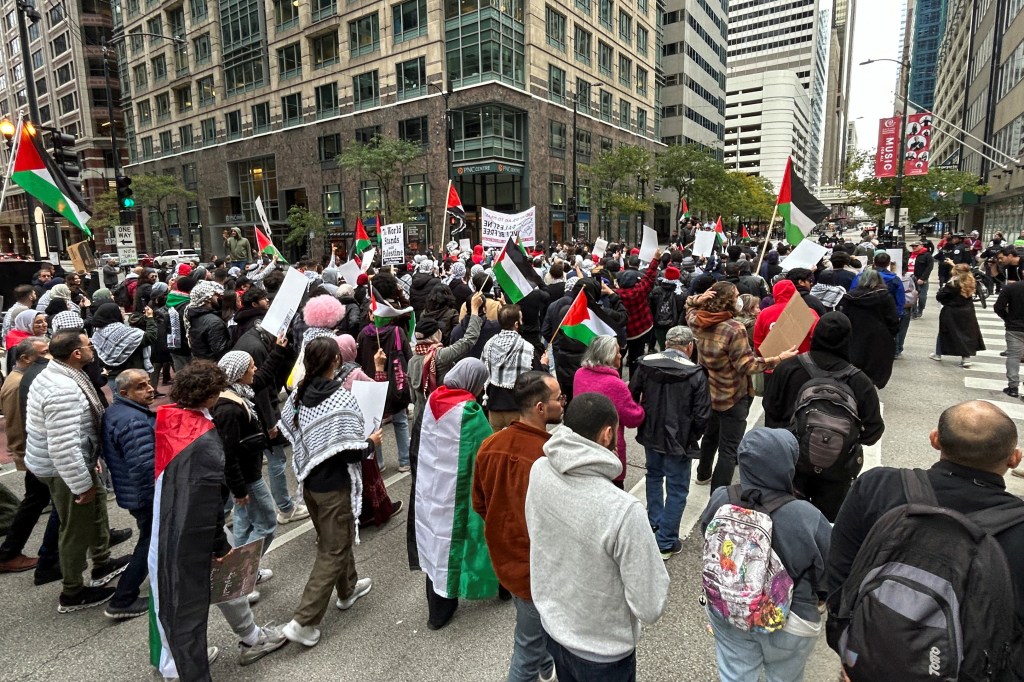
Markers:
(155, 26)
(641, 41)
(139, 75)
(412, 78)
(583, 95)
(44, 113)
(456, 8)
(192, 211)
(583, 145)
(159, 68)
(482, 52)
(625, 70)
(198, 9)
(58, 45)
(289, 61)
(584, 6)
(328, 147)
(582, 45)
(209, 126)
(201, 48)
(604, 13)
(413, 130)
(185, 135)
(137, 40)
(147, 147)
(489, 131)
(233, 124)
(165, 142)
(326, 100)
(325, 50)
(286, 14)
(183, 99)
(554, 28)
(323, 9)
(606, 106)
(261, 117)
(624, 113)
(557, 191)
(332, 201)
(145, 112)
(55, 15)
(641, 121)
(207, 95)
(625, 27)
(37, 59)
(243, 45)
(409, 20)
(258, 177)
(556, 130)
(189, 176)
(605, 54)
(641, 81)
(369, 196)
(642, 6)
(606, 142)
(556, 83)
(365, 90)
(291, 109)
(163, 106)
(366, 135)
(364, 35)
(65, 73)
(414, 192)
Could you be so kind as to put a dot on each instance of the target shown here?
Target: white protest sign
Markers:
(600, 245)
(350, 272)
(367, 259)
(263, 215)
(897, 260)
(282, 310)
(703, 243)
(806, 254)
(496, 228)
(392, 244)
(371, 397)
(648, 245)
(465, 245)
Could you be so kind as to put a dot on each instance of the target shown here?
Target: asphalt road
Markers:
(384, 637)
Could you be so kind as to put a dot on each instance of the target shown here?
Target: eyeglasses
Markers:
(88, 345)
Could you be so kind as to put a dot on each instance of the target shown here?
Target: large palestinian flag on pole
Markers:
(454, 211)
(684, 210)
(800, 210)
(37, 173)
(449, 533)
(187, 515)
(265, 245)
(583, 323)
(514, 274)
(720, 233)
(362, 239)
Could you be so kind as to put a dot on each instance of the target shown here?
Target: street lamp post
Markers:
(574, 204)
(897, 196)
(449, 141)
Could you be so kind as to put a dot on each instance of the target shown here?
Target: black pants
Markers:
(134, 575)
(439, 609)
(724, 432)
(827, 496)
(636, 348)
(572, 668)
(37, 497)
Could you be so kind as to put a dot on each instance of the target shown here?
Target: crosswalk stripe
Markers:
(1013, 410)
(985, 384)
(988, 367)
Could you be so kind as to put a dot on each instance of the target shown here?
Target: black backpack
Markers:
(666, 314)
(929, 596)
(825, 420)
(121, 295)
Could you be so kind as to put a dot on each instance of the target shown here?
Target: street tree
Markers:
(693, 172)
(383, 159)
(105, 214)
(154, 193)
(304, 224)
(615, 180)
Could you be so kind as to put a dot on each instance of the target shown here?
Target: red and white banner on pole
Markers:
(888, 147)
(919, 143)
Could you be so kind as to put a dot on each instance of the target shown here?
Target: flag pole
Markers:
(10, 162)
(446, 195)
(764, 247)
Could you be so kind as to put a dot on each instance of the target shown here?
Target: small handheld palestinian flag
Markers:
(800, 210)
(384, 314)
(684, 210)
(720, 239)
(37, 173)
(362, 239)
(514, 274)
(454, 212)
(583, 323)
(743, 233)
(265, 245)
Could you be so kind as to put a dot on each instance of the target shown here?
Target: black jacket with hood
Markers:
(800, 533)
(208, 335)
(674, 394)
(422, 283)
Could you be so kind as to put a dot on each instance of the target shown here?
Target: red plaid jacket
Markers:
(637, 303)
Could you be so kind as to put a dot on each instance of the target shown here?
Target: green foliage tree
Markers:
(692, 171)
(383, 159)
(303, 224)
(615, 179)
(154, 192)
(104, 212)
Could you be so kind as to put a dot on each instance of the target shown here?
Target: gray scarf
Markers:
(116, 342)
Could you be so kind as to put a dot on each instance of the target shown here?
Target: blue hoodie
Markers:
(893, 284)
(800, 533)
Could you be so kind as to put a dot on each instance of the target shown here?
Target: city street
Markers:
(384, 637)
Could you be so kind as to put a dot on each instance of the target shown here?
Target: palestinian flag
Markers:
(454, 212)
(187, 517)
(583, 323)
(37, 173)
(800, 210)
(514, 274)
(265, 245)
(449, 533)
(384, 314)
(720, 239)
(362, 239)
(684, 210)
(743, 233)
(175, 298)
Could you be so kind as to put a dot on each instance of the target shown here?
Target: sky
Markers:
(872, 87)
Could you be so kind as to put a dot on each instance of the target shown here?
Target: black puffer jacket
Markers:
(208, 335)
(674, 393)
(352, 321)
(420, 288)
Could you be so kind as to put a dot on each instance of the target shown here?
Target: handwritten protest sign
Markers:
(392, 244)
(496, 228)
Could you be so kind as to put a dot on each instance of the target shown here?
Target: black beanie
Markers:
(832, 335)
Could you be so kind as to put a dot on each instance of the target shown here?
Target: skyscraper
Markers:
(834, 156)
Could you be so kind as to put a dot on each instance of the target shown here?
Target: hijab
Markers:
(235, 364)
(23, 322)
(469, 374)
(61, 291)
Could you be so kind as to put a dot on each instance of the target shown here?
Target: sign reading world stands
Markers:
(496, 228)
(392, 244)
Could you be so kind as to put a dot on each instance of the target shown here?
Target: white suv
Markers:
(174, 256)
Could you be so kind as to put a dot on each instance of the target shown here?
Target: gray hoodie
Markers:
(800, 533)
(595, 568)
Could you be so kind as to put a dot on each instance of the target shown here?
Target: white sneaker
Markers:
(265, 575)
(297, 513)
(552, 678)
(253, 596)
(363, 586)
(270, 640)
(306, 635)
(933, 356)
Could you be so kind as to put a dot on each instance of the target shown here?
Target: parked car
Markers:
(146, 260)
(172, 257)
(104, 257)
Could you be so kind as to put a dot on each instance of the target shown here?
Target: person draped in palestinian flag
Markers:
(450, 546)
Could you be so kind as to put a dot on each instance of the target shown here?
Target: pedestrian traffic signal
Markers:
(66, 157)
(124, 193)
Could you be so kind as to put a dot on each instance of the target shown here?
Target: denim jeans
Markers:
(724, 432)
(742, 655)
(901, 333)
(572, 668)
(530, 658)
(277, 462)
(665, 509)
(1014, 349)
(257, 519)
(138, 568)
(400, 421)
(922, 297)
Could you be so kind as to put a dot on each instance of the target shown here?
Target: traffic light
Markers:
(124, 193)
(66, 158)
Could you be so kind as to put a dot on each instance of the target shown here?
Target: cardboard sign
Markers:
(82, 258)
(806, 254)
(790, 329)
(648, 245)
(236, 575)
(287, 301)
(600, 245)
(703, 243)
(392, 244)
(496, 228)
(371, 397)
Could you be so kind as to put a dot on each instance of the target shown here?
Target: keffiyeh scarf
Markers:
(507, 355)
(81, 379)
(116, 342)
(428, 382)
(235, 364)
